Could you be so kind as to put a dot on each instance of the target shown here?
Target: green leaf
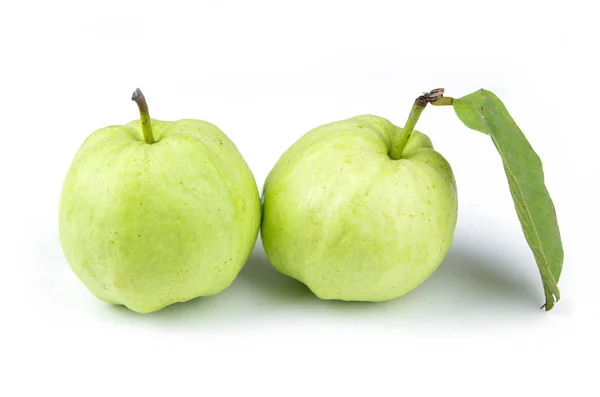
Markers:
(484, 112)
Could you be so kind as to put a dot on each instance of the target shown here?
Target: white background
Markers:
(266, 73)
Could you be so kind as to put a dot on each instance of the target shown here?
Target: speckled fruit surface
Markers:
(350, 222)
(147, 225)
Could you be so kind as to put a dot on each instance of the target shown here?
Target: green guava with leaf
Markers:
(363, 210)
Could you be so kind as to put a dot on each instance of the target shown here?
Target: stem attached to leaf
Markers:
(400, 138)
(139, 98)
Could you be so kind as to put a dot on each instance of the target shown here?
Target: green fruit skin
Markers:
(146, 226)
(351, 223)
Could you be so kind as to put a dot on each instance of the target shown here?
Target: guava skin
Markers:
(353, 224)
(147, 225)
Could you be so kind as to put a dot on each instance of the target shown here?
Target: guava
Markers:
(353, 222)
(157, 212)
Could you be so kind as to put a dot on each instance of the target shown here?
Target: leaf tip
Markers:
(547, 306)
(550, 302)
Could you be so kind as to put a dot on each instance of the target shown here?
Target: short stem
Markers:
(139, 98)
(401, 137)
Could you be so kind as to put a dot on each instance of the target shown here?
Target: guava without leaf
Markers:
(147, 225)
(352, 223)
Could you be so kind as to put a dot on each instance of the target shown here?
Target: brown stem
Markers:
(139, 98)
